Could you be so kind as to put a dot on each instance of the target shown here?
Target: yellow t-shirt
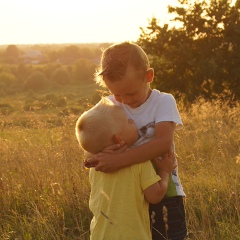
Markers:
(118, 204)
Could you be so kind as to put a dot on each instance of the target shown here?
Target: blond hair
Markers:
(117, 59)
(96, 127)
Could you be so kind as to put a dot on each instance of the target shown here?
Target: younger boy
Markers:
(118, 200)
(126, 72)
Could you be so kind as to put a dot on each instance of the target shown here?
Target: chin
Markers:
(135, 105)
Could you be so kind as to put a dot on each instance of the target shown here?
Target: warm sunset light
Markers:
(76, 21)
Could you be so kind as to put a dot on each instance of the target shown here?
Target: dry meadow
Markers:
(44, 190)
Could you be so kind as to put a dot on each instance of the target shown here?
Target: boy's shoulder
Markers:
(162, 96)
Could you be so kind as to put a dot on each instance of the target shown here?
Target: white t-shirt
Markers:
(159, 107)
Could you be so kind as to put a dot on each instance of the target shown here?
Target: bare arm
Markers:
(157, 191)
(160, 145)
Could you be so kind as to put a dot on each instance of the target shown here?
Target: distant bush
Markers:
(7, 78)
(22, 71)
(5, 109)
(62, 102)
(6, 81)
(36, 81)
(37, 105)
(51, 96)
(61, 76)
(76, 110)
(49, 68)
(83, 70)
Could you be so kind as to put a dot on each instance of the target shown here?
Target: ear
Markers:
(116, 139)
(150, 75)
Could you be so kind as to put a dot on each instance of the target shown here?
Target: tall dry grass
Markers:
(209, 161)
(43, 189)
(44, 192)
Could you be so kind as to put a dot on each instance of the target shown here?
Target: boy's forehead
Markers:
(124, 86)
(121, 87)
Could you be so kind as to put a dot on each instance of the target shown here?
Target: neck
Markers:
(149, 93)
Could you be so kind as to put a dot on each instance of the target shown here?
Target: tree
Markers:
(36, 81)
(70, 54)
(11, 54)
(202, 56)
(6, 80)
(83, 70)
(61, 76)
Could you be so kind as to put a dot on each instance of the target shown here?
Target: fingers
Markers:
(166, 163)
(112, 148)
(120, 145)
(98, 168)
(91, 162)
(121, 149)
(156, 160)
(104, 162)
(101, 168)
(95, 163)
(89, 165)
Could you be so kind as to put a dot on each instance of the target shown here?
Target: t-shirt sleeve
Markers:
(148, 175)
(167, 110)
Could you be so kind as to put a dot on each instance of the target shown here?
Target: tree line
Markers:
(41, 67)
(200, 56)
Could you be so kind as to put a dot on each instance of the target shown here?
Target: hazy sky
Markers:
(76, 21)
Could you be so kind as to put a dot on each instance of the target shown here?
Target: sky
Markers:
(77, 21)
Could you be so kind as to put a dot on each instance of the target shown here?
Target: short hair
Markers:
(96, 127)
(117, 59)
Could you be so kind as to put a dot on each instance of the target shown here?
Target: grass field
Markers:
(44, 190)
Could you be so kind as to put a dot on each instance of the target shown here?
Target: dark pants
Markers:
(170, 225)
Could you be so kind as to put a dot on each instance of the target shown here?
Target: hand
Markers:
(105, 162)
(115, 148)
(88, 155)
(89, 165)
(98, 160)
(166, 163)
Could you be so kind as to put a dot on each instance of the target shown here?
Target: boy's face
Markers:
(131, 90)
(129, 132)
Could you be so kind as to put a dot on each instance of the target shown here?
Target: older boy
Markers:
(126, 72)
(118, 200)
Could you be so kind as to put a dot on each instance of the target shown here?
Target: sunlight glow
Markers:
(76, 21)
